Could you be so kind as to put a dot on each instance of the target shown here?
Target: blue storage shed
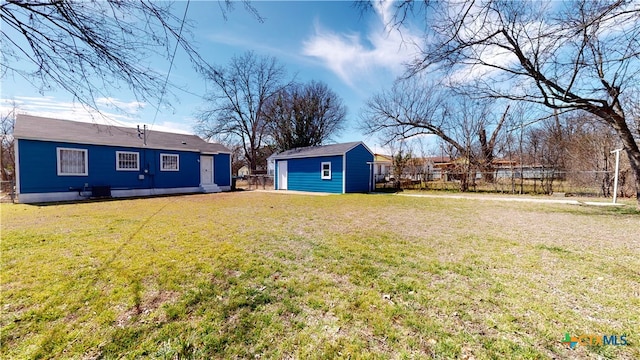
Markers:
(61, 160)
(337, 168)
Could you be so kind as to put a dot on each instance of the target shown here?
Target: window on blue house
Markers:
(326, 170)
(169, 162)
(127, 161)
(72, 162)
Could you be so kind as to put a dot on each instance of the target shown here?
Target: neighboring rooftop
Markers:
(382, 158)
(317, 151)
(48, 129)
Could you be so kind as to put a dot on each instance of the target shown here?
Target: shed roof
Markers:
(48, 129)
(317, 151)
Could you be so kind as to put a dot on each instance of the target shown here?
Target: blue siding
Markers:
(222, 169)
(358, 172)
(305, 174)
(188, 176)
(38, 168)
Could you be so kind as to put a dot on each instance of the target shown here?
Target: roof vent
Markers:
(184, 143)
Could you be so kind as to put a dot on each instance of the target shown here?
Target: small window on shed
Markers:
(326, 170)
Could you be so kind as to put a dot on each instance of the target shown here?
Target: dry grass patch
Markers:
(247, 275)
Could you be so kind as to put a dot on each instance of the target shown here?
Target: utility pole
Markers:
(143, 134)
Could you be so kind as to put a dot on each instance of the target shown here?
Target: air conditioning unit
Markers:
(101, 191)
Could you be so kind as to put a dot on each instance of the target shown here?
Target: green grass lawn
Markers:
(262, 275)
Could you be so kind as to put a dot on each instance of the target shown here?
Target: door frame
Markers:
(283, 175)
(206, 159)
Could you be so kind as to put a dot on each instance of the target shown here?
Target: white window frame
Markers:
(85, 153)
(162, 167)
(118, 164)
(322, 175)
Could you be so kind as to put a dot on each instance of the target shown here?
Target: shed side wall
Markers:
(305, 174)
(358, 171)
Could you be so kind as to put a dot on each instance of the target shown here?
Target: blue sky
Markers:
(330, 41)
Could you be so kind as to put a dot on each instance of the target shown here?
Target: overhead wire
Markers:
(166, 80)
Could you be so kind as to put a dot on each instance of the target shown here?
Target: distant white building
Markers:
(381, 167)
(271, 165)
(244, 171)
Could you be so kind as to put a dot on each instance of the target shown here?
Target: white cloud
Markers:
(49, 106)
(173, 127)
(130, 106)
(355, 57)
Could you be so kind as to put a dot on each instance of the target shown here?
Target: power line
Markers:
(166, 80)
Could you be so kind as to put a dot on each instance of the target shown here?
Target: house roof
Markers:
(47, 129)
(317, 151)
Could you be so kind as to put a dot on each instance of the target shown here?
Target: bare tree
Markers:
(573, 55)
(546, 146)
(237, 154)
(574, 147)
(7, 152)
(632, 101)
(413, 107)
(588, 155)
(304, 115)
(401, 160)
(236, 104)
(94, 48)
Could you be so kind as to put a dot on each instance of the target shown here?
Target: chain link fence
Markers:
(254, 182)
(7, 191)
(514, 181)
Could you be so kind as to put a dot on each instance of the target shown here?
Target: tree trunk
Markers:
(634, 160)
(464, 184)
(632, 150)
(619, 123)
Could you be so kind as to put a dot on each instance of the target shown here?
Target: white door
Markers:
(282, 175)
(206, 169)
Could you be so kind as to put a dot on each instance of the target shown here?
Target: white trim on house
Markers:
(50, 196)
(163, 168)
(16, 171)
(59, 161)
(118, 164)
(77, 196)
(206, 162)
(155, 191)
(322, 170)
(283, 164)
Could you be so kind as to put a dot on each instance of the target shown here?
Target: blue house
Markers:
(60, 160)
(337, 168)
